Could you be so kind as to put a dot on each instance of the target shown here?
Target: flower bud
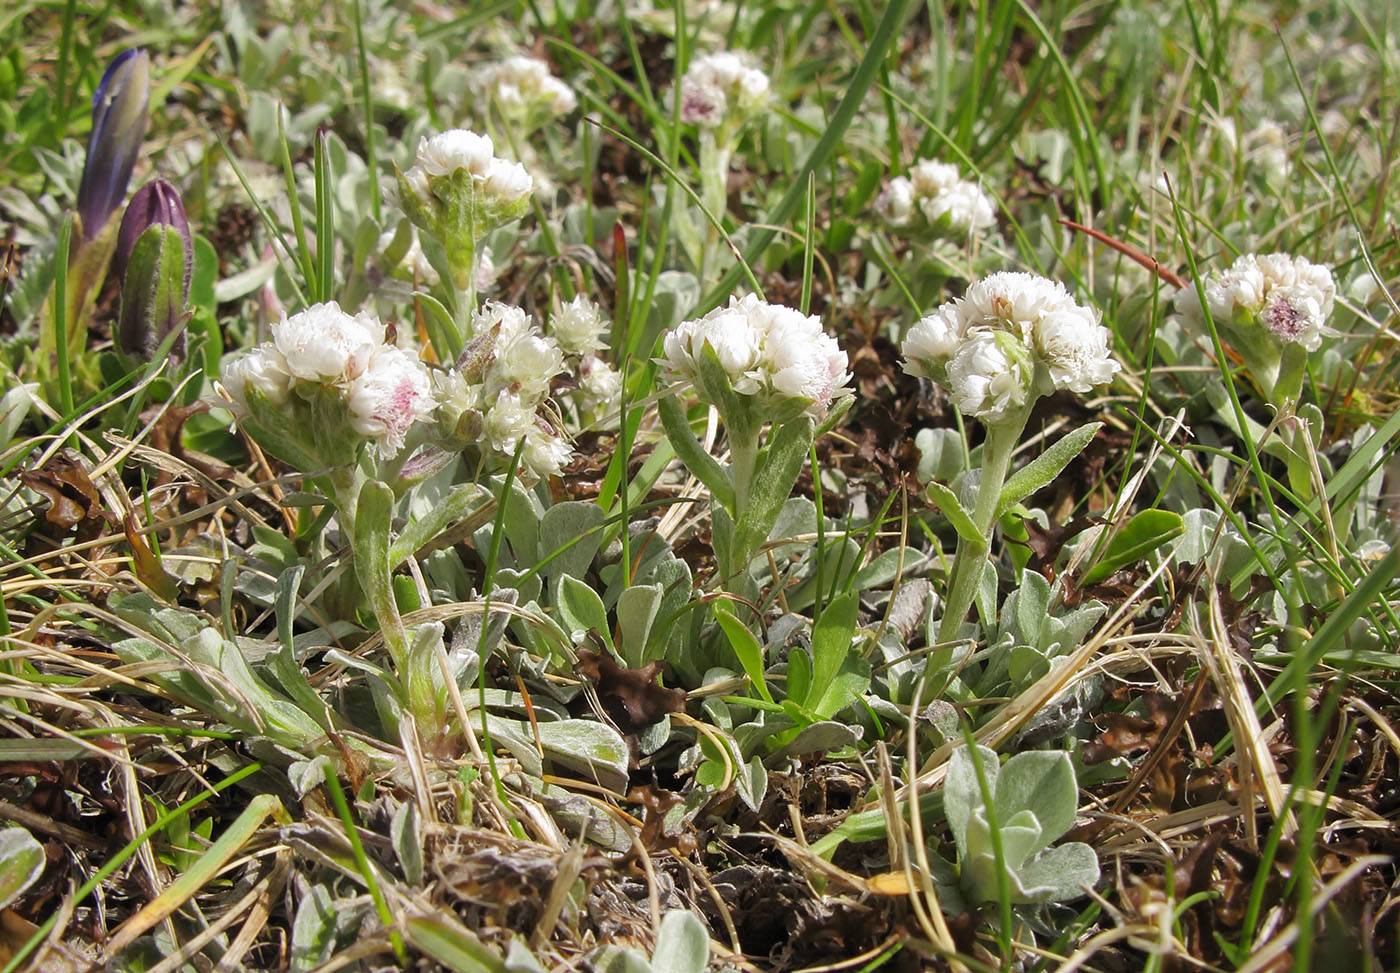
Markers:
(153, 261)
(119, 110)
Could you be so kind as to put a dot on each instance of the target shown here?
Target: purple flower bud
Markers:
(119, 110)
(153, 261)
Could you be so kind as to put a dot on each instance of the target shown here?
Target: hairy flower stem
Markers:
(970, 561)
(715, 152)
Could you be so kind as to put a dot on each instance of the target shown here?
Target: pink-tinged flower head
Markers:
(324, 344)
(392, 393)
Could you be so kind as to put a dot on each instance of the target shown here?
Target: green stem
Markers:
(743, 458)
(971, 558)
(715, 152)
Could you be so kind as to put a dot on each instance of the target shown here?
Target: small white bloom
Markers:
(1075, 349)
(733, 337)
(1012, 301)
(718, 84)
(544, 454)
(416, 178)
(895, 204)
(984, 381)
(962, 207)
(599, 385)
(931, 177)
(801, 361)
(578, 326)
(1290, 297)
(932, 341)
(507, 181)
(458, 148)
(507, 420)
(514, 321)
(526, 364)
(324, 344)
(264, 369)
(391, 395)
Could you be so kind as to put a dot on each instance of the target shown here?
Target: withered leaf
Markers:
(632, 697)
(73, 498)
(146, 563)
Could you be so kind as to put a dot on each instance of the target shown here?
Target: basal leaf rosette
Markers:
(459, 191)
(326, 385)
(1273, 308)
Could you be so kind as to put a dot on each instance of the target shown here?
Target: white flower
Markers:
(1075, 349)
(391, 395)
(930, 177)
(599, 384)
(416, 179)
(264, 369)
(507, 420)
(733, 337)
(963, 205)
(508, 181)
(458, 148)
(984, 381)
(1289, 297)
(895, 204)
(714, 85)
(1012, 301)
(526, 364)
(578, 326)
(765, 349)
(514, 321)
(324, 344)
(544, 454)
(801, 361)
(932, 341)
(523, 87)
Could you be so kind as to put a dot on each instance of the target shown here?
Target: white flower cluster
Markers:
(1010, 337)
(1289, 297)
(460, 150)
(526, 93)
(385, 389)
(774, 353)
(934, 191)
(578, 327)
(721, 88)
(495, 394)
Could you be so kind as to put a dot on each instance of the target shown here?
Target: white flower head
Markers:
(1012, 301)
(721, 87)
(263, 368)
(514, 321)
(545, 453)
(599, 385)
(800, 361)
(895, 204)
(962, 208)
(526, 364)
(578, 326)
(507, 181)
(931, 177)
(932, 341)
(730, 334)
(985, 379)
(324, 344)
(391, 395)
(453, 150)
(526, 92)
(507, 420)
(1075, 349)
(1290, 297)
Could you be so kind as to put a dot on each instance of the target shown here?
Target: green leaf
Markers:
(590, 749)
(1144, 533)
(22, 861)
(421, 531)
(831, 647)
(949, 506)
(1060, 874)
(772, 485)
(1042, 782)
(962, 794)
(282, 660)
(745, 646)
(636, 611)
(405, 833)
(1045, 467)
(581, 609)
(701, 464)
(569, 537)
(452, 944)
(682, 944)
(373, 513)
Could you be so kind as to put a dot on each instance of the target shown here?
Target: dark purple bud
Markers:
(157, 202)
(119, 110)
(153, 261)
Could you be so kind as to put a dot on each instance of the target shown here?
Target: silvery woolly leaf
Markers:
(1060, 874)
(962, 794)
(22, 861)
(682, 944)
(1042, 782)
